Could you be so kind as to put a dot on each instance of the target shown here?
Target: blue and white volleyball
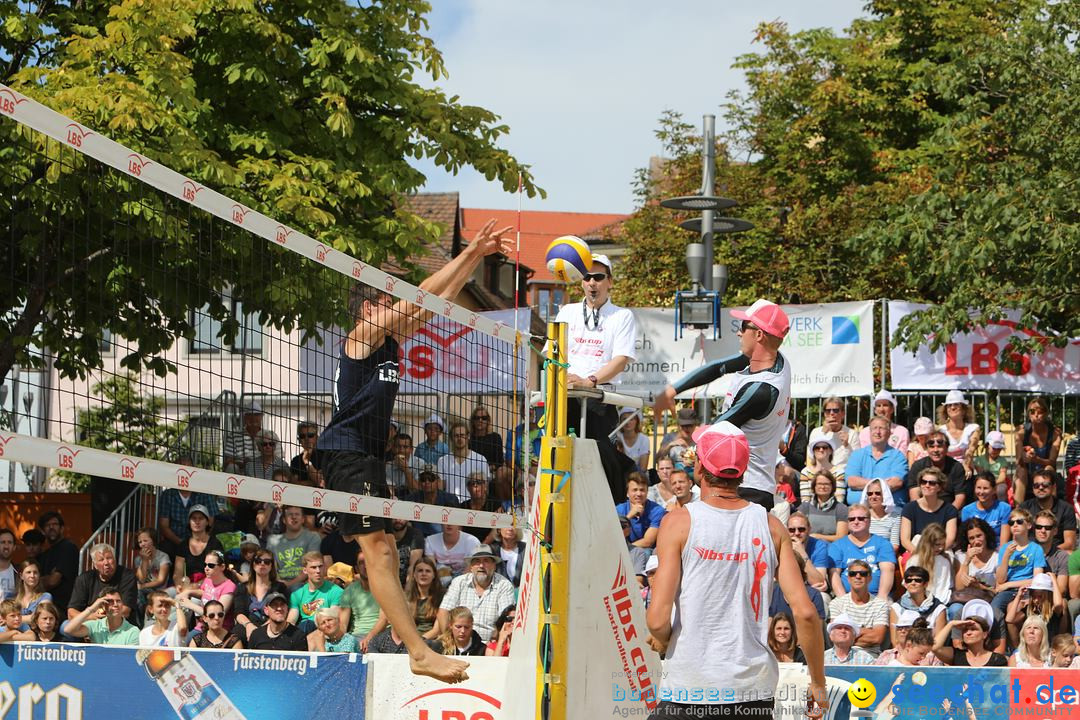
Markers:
(568, 258)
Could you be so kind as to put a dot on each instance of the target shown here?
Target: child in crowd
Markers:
(11, 615)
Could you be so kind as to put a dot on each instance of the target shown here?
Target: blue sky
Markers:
(582, 84)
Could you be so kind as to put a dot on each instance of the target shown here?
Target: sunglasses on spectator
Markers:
(913, 579)
(874, 493)
(857, 518)
(595, 277)
(1045, 527)
(214, 616)
(929, 482)
(1017, 521)
(936, 443)
(210, 566)
(832, 410)
(268, 443)
(263, 561)
(747, 325)
(307, 435)
(858, 573)
(797, 529)
(1042, 486)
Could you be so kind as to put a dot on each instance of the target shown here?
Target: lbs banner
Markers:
(831, 348)
(443, 356)
(972, 361)
(72, 682)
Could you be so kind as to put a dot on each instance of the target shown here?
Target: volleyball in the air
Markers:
(568, 258)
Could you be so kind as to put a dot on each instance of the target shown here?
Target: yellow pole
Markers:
(554, 500)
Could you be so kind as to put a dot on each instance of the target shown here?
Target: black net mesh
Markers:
(135, 322)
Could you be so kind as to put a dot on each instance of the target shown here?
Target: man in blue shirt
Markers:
(859, 544)
(877, 461)
(644, 515)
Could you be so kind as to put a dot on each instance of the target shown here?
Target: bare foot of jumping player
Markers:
(441, 667)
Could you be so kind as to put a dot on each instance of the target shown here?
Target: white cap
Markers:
(845, 619)
(253, 408)
(1042, 582)
(651, 564)
(995, 439)
(884, 394)
(907, 618)
(433, 418)
(955, 397)
(978, 608)
(603, 260)
(831, 442)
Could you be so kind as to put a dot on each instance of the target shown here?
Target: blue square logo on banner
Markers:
(845, 330)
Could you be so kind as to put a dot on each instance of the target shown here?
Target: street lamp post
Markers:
(706, 273)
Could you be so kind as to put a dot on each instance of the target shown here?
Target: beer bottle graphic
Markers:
(187, 687)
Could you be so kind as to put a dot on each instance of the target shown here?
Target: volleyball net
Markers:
(155, 331)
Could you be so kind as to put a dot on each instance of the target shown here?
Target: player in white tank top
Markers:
(758, 399)
(717, 560)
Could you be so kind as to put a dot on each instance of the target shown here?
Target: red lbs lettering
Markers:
(74, 137)
(7, 105)
(622, 607)
(421, 362)
(455, 715)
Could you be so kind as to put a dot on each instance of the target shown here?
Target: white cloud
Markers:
(581, 84)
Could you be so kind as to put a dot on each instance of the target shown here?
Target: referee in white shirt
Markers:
(600, 335)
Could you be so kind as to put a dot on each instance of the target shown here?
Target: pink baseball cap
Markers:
(766, 315)
(722, 449)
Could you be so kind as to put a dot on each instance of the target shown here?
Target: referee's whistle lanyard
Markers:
(594, 315)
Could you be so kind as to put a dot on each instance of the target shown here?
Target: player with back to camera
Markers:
(757, 401)
(350, 450)
(717, 560)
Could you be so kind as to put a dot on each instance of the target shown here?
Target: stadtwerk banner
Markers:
(971, 361)
(830, 346)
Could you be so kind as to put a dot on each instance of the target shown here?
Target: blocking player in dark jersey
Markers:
(757, 401)
(351, 447)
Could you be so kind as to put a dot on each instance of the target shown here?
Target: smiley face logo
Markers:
(862, 693)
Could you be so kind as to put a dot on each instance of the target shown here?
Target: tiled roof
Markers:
(441, 208)
(539, 228)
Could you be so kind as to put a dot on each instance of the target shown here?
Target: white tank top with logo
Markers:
(719, 651)
(764, 435)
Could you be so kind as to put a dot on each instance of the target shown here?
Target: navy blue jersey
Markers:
(364, 395)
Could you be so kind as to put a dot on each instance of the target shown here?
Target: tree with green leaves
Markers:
(128, 422)
(931, 153)
(308, 112)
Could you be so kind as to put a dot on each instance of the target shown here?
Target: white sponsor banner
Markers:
(396, 694)
(442, 356)
(972, 361)
(830, 346)
(449, 357)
